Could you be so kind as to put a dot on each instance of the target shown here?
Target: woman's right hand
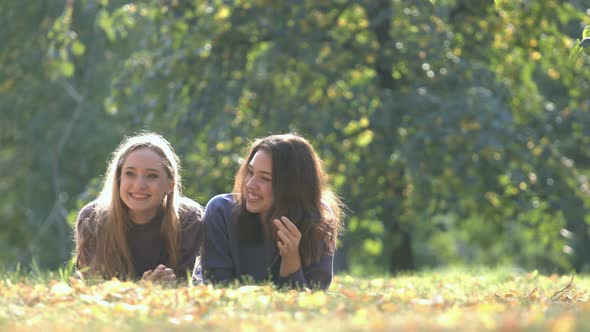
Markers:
(160, 274)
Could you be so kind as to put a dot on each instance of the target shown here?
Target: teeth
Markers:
(253, 196)
(138, 195)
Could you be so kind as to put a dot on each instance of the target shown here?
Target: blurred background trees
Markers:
(455, 131)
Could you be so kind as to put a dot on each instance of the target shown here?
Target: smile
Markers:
(138, 196)
(253, 197)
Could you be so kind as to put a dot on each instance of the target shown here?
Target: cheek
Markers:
(122, 184)
(123, 188)
(164, 187)
(246, 181)
(268, 189)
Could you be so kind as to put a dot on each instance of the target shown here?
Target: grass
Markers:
(446, 300)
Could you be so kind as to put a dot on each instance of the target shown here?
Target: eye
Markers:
(265, 179)
(152, 176)
(130, 173)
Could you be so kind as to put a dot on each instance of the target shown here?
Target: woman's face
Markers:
(259, 196)
(144, 182)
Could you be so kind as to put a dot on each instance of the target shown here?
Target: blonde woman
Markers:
(140, 226)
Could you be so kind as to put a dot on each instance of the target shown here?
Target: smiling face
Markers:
(144, 182)
(258, 183)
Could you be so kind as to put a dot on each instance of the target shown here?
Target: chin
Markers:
(251, 210)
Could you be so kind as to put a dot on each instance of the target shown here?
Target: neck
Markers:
(141, 218)
(266, 225)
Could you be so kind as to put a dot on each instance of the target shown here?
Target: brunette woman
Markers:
(281, 222)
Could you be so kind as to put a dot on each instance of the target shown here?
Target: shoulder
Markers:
(222, 201)
(190, 211)
(87, 217)
(219, 209)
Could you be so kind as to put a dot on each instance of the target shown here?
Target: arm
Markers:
(191, 238)
(217, 263)
(314, 276)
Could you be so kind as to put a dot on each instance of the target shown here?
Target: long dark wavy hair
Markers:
(301, 193)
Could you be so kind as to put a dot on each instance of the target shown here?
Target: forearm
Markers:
(315, 276)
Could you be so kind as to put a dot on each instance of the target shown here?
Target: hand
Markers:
(288, 246)
(160, 274)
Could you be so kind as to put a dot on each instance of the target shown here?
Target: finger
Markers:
(293, 239)
(146, 274)
(168, 277)
(153, 276)
(280, 226)
(285, 239)
(282, 249)
(157, 272)
(291, 226)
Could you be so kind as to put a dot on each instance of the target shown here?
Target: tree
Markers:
(54, 132)
(434, 116)
(452, 129)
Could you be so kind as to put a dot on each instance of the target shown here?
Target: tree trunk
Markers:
(402, 256)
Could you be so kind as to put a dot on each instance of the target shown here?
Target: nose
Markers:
(250, 183)
(141, 183)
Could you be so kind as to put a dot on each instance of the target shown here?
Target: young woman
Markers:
(280, 223)
(139, 226)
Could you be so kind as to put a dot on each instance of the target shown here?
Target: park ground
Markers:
(439, 300)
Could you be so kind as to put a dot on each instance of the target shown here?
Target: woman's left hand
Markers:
(288, 245)
(160, 274)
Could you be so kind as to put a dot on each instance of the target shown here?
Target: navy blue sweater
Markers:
(225, 258)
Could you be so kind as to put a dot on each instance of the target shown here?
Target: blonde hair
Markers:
(112, 255)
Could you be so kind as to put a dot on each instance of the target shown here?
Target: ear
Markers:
(172, 184)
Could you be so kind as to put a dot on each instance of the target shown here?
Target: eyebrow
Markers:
(148, 169)
(264, 172)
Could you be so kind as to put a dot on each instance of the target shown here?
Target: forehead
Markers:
(144, 158)
(262, 160)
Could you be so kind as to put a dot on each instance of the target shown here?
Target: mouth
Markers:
(253, 197)
(139, 196)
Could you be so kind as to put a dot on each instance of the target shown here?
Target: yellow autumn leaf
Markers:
(222, 13)
(313, 300)
(564, 323)
(61, 289)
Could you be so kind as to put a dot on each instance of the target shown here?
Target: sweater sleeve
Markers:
(85, 238)
(216, 259)
(314, 276)
(191, 237)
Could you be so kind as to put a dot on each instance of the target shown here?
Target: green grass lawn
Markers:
(446, 300)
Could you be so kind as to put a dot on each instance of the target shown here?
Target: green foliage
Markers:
(453, 130)
(66, 272)
(579, 46)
